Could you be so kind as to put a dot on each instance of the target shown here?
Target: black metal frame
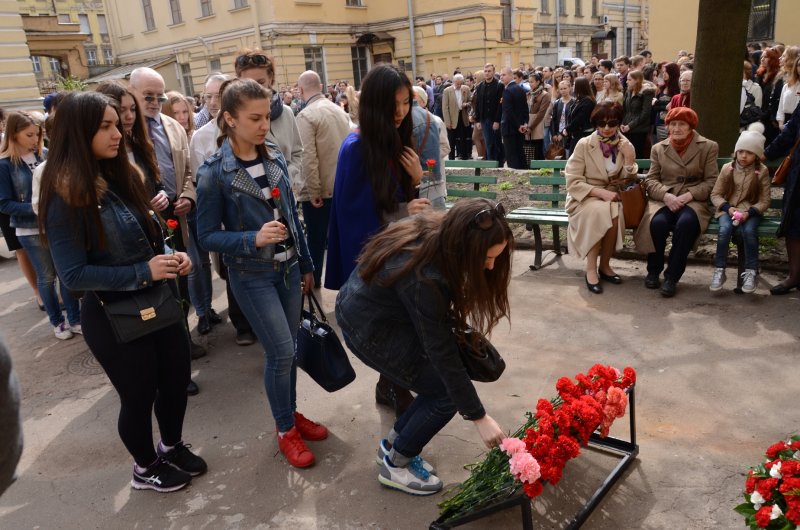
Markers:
(628, 449)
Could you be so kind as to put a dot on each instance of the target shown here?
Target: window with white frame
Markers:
(354, 3)
(545, 7)
(108, 55)
(238, 4)
(91, 57)
(55, 65)
(175, 9)
(215, 65)
(37, 64)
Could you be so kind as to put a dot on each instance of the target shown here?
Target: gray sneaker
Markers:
(384, 448)
(412, 479)
(718, 279)
(749, 281)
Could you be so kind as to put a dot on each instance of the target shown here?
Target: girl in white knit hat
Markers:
(740, 196)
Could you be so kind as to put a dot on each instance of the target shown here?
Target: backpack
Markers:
(751, 113)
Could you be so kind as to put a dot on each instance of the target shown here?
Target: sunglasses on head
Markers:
(609, 123)
(255, 60)
(484, 219)
(161, 99)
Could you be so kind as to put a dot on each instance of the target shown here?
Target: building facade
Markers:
(17, 83)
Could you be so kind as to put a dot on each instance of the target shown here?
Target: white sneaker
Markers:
(749, 281)
(76, 328)
(384, 448)
(412, 479)
(62, 331)
(718, 279)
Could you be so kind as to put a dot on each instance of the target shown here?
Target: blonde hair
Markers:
(16, 122)
(176, 97)
(613, 83)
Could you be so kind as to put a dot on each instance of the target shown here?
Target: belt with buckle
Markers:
(285, 256)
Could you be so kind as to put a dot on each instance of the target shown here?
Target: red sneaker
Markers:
(309, 430)
(294, 449)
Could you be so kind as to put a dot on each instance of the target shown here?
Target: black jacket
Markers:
(578, 120)
(515, 109)
(487, 103)
(558, 109)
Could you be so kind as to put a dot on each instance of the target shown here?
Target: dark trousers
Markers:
(494, 142)
(685, 228)
(460, 140)
(515, 155)
(641, 143)
(149, 374)
(235, 313)
(317, 233)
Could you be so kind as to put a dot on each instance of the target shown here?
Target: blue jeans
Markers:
(546, 139)
(258, 294)
(45, 281)
(494, 142)
(749, 234)
(200, 290)
(317, 233)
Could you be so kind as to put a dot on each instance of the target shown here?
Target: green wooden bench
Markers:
(548, 208)
(476, 179)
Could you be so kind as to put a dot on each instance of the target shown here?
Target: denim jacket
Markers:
(15, 193)
(432, 187)
(122, 265)
(403, 327)
(228, 196)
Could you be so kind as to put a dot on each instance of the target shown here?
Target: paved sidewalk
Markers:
(718, 381)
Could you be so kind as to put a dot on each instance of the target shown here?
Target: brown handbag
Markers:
(556, 151)
(634, 202)
(783, 170)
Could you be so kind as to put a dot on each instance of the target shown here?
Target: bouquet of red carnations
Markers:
(772, 489)
(538, 451)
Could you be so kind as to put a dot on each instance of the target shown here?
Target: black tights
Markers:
(149, 373)
(685, 228)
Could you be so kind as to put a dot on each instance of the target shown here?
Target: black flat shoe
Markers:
(213, 317)
(192, 389)
(651, 281)
(780, 289)
(596, 288)
(668, 288)
(610, 279)
(203, 325)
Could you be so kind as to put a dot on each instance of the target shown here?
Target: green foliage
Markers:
(71, 83)
(505, 186)
(484, 188)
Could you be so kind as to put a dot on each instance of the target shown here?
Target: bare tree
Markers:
(717, 80)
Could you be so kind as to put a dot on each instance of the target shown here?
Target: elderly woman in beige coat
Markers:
(682, 174)
(594, 172)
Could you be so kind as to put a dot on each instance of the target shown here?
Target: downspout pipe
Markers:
(413, 39)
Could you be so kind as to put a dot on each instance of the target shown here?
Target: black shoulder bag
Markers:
(142, 312)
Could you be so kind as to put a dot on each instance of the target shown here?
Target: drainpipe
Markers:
(256, 24)
(558, 32)
(413, 39)
(624, 27)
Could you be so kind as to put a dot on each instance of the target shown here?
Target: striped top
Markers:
(267, 180)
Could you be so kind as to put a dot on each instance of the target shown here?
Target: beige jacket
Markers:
(323, 126)
(669, 172)
(538, 108)
(184, 183)
(742, 181)
(450, 109)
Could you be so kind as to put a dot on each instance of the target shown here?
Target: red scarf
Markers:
(681, 146)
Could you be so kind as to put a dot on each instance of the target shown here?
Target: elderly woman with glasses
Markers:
(416, 282)
(595, 171)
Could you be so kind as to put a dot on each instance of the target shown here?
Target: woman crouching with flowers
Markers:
(416, 281)
(245, 187)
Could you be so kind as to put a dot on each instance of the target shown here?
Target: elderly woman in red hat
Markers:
(682, 174)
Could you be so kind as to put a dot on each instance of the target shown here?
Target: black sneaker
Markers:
(245, 338)
(213, 317)
(160, 477)
(183, 459)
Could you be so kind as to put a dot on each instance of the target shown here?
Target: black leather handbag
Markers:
(143, 312)
(482, 360)
(319, 351)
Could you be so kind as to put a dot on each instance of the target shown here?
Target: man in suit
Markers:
(455, 107)
(514, 120)
(172, 155)
(488, 113)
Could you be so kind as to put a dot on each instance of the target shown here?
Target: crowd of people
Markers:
(141, 192)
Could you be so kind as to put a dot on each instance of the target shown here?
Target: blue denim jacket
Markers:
(228, 196)
(433, 187)
(15, 193)
(403, 327)
(121, 266)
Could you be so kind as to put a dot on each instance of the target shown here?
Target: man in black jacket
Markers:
(514, 120)
(488, 113)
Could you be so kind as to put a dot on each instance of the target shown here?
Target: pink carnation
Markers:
(525, 467)
(512, 446)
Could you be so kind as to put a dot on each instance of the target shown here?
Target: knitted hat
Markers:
(752, 140)
(682, 114)
(422, 96)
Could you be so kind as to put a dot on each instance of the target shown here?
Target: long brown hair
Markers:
(75, 174)
(456, 247)
(16, 122)
(235, 92)
(176, 97)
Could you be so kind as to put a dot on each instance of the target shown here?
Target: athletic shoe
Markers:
(245, 338)
(411, 479)
(294, 449)
(160, 477)
(309, 430)
(62, 331)
(384, 448)
(183, 459)
(718, 279)
(76, 328)
(749, 281)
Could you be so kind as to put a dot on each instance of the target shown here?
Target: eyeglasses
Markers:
(161, 99)
(485, 218)
(609, 123)
(256, 60)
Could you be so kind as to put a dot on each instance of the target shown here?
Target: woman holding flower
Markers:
(244, 187)
(417, 281)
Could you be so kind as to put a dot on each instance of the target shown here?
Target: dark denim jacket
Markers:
(15, 193)
(121, 266)
(403, 327)
(228, 196)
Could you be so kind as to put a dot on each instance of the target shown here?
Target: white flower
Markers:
(776, 512)
(775, 472)
(757, 500)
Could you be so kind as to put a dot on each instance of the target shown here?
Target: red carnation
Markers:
(762, 516)
(790, 468)
(766, 486)
(793, 514)
(172, 224)
(276, 193)
(628, 377)
(790, 486)
(566, 388)
(533, 490)
(774, 449)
